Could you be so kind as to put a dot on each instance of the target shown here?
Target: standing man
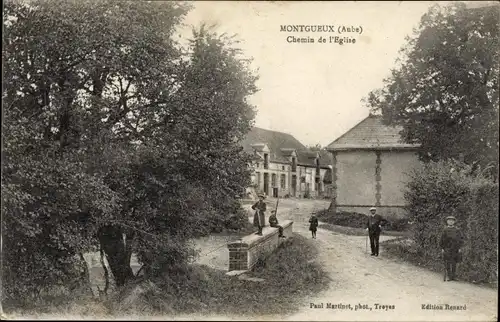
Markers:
(451, 242)
(373, 226)
(259, 219)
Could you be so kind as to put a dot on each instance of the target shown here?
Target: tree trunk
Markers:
(106, 273)
(111, 239)
(85, 275)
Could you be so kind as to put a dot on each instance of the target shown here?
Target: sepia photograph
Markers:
(250, 160)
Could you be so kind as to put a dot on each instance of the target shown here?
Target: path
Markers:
(358, 278)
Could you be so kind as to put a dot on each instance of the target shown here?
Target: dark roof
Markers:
(281, 146)
(275, 141)
(287, 152)
(307, 157)
(258, 146)
(370, 134)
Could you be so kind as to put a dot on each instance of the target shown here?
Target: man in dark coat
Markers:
(373, 226)
(450, 243)
(273, 222)
(259, 219)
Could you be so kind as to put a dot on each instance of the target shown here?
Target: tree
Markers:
(114, 140)
(444, 92)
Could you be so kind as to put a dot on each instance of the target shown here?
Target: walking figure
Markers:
(374, 227)
(451, 242)
(313, 227)
(259, 219)
(273, 222)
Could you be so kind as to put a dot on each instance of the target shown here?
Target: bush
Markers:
(399, 224)
(229, 216)
(237, 221)
(357, 220)
(445, 188)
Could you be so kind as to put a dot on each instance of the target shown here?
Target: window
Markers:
(294, 164)
(273, 180)
(283, 167)
(283, 181)
(266, 161)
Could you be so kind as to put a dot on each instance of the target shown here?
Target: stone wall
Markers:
(244, 253)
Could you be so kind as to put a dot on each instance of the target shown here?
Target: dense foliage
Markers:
(114, 137)
(444, 90)
(445, 188)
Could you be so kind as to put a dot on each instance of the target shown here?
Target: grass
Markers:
(405, 249)
(353, 231)
(290, 274)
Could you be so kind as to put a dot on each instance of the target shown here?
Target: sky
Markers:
(314, 91)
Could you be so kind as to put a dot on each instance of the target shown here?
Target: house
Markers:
(284, 167)
(370, 167)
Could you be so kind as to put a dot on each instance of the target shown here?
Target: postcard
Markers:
(250, 160)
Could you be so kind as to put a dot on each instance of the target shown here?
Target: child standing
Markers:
(313, 227)
(451, 243)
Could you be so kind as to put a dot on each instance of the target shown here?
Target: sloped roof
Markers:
(275, 141)
(306, 157)
(287, 152)
(281, 146)
(258, 146)
(371, 134)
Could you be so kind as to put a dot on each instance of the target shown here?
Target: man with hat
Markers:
(450, 243)
(259, 219)
(373, 226)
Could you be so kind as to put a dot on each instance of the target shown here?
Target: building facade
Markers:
(283, 167)
(370, 168)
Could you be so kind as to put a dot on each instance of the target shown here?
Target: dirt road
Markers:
(359, 280)
(397, 288)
